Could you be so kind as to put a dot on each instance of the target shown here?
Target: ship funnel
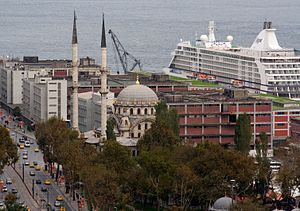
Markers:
(267, 25)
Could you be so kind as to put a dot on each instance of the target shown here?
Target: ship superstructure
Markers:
(264, 67)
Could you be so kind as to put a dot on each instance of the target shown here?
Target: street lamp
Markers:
(23, 167)
(232, 185)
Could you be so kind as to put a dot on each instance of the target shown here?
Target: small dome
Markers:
(138, 95)
(222, 204)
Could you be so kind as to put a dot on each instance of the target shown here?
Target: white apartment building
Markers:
(11, 80)
(44, 98)
(89, 105)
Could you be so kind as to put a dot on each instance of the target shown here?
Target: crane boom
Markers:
(124, 56)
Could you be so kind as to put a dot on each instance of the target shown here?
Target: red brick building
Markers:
(295, 128)
(212, 116)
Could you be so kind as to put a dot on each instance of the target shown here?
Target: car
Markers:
(21, 140)
(22, 146)
(4, 188)
(38, 168)
(32, 173)
(31, 165)
(2, 206)
(31, 142)
(25, 157)
(44, 189)
(57, 203)
(35, 163)
(36, 150)
(38, 181)
(24, 137)
(25, 152)
(8, 181)
(27, 144)
(47, 182)
(14, 190)
(26, 163)
(59, 198)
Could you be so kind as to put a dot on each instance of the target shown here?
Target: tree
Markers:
(217, 167)
(164, 131)
(110, 134)
(157, 172)
(8, 150)
(51, 134)
(101, 187)
(243, 133)
(17, 111)
(11, 203)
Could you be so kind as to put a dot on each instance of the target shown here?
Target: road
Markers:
(26, 189)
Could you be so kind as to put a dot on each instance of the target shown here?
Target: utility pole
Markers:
(33, 188)
(23, 166)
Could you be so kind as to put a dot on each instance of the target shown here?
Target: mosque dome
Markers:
(222, 204)
(137, 95)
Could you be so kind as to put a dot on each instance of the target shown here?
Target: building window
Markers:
(126, 122)
(119, 111)
(138, 111)
(139, 135)
(152, 111)
(232, 118)
(146, 126)
(132, 135)
(146, 111)
(131, 111)
(139, 127)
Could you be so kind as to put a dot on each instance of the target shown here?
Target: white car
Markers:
(2, 206)
(57, 204)
(27, 144)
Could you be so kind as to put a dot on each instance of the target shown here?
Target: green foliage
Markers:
(164, 131)
(243, 133)
(17, 111)
(50, 135)
(110, 134)
(11, 203)
(8, 150)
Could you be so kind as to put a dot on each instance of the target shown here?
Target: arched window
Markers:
(146, 126)
(119, 111)
(138, 111)
(146, 111)
(131, 111)
(152, 111)
(139, 127)
(139, 135)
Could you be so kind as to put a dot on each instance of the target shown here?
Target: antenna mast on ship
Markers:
(211, 31)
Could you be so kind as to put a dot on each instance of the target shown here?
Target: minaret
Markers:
(103, 90)
(75, 75)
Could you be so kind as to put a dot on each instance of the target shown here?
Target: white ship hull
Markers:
(264, 67)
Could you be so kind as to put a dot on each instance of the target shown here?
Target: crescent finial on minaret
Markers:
(103, 38)
(74, 36)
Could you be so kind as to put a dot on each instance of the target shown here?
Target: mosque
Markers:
(133, 110)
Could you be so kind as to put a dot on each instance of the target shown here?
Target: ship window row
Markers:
(227, 55)
(189, 49)
(284, 66)
(286, 77)
(280, 60)
(283, 71)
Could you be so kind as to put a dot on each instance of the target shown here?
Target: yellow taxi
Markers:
(22, 146)
(38, 168)
(31, 165)
(25, 157)
(47, 182)
(59, 198)
(36, 150)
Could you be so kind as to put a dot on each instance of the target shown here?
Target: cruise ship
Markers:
(265, 67)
